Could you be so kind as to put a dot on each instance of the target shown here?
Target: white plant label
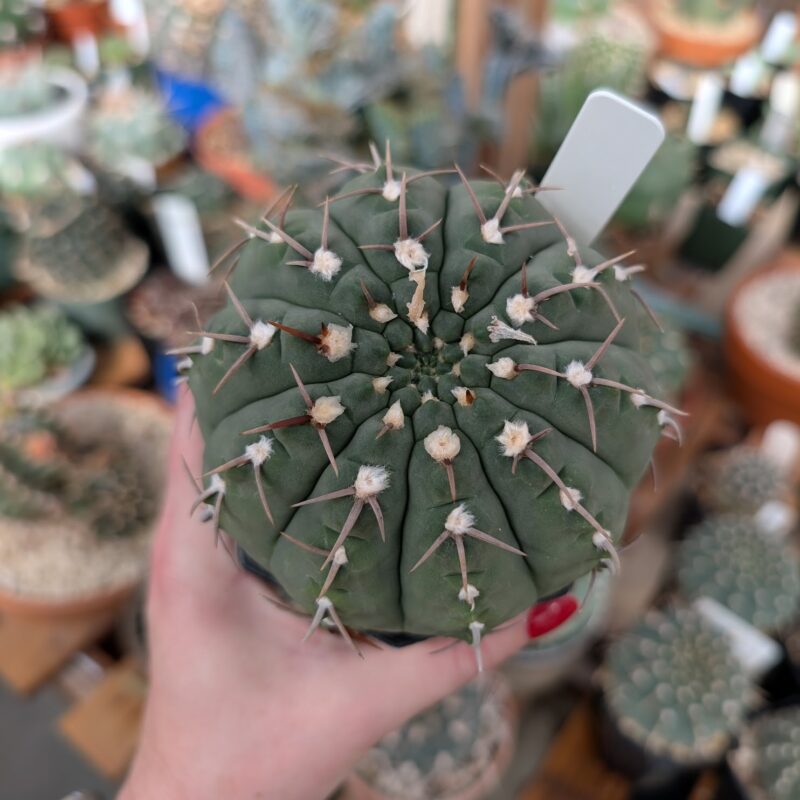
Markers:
(780, 37)
(742, 196)
(705, 107)
(179, 225)
(608, 147)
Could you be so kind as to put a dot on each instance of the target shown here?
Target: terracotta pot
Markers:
(702, 46)
(765, 392)
(75, 17)
(221, 148)
(108, 599)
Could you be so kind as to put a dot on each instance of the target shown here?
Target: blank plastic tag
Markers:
(705, 107)
(743, 195)
(182, 234)
(757, 652)
(747, 75)
(780, 37)
(781, 444)
(87, 55)
(605, 152)
(141, 172)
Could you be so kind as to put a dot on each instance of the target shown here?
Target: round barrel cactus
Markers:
(424, 406)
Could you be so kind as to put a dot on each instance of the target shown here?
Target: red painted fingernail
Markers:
(550, 614)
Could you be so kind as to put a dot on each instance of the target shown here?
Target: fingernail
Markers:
(550, 614)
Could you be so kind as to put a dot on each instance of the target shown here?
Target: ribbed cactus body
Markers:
(712, 11)
(753, 574)
(452, 434)
(673, 685)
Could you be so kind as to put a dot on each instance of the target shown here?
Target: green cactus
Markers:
(753, 574)
(384, 368)
(130, 123)
(767, 760)
(579, 10)
(674, 687)
(35, 342)
(740, 481)
(444, 750)
(20, 22)
(670, 358)
(25, 90)
(711, 11)
(32, 171)
(47, 471)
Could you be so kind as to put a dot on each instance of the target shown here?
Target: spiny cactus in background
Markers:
(612, 53)
(577, 10)
(674, 687)
(25, 90)
(424, 407)
(711, 11)
(445, 750)
(20, 22)
(34, 343)
(657, 192)
(740, 481)
(767, 760)
(670, 359)
(131, 123)
(32, 171)
(753, 574)
(47, 471)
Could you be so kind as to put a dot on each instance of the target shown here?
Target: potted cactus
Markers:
(705, 33)
(79, 488)
(22, 25)
(456, 750)
(43, 356)
(442, 373)
(755, 575)
(674, 698)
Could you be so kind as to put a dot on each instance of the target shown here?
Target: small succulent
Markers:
(753, 574)
(20, 22)
(673, 686)
(767, 761)
(130, 123)
(445, 750)
(740, 481)
(25, 90)
(711, 11)
(34, 343)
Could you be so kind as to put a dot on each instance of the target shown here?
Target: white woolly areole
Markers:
(623, 274)
(422, 322)
(456, 370)
(411, 254)
(392, 359)
(324, 603)
(517, 193)
(577, 374)
(185, 364)
(380, 385)
(216, 484)
(463, 395)
(370, 481)
(468, 595)
(391, 191)
(261, 334)
(206, 345)
(583, 275)
(326, 264)
(380, 312)
(394, 417)
(467, 343)
(459, 520)
(499, 330)
(337, 341)
(505, 368)
(520, 308)
(427, 396)
(325, 410)
(514, 438)
(443, 444)
(570, 498)
(260, 451)
(438, 343)
(458, 297)
(340, 556)
(640, 399)
(491, 233)
(272, 237)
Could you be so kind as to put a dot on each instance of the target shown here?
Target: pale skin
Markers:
(239, 707)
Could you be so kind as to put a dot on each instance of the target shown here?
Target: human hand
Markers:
(239, 707)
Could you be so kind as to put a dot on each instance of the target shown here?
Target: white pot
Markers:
(59, 123)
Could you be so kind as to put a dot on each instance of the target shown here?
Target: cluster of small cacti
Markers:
(20, 22)
(35, 342)
(445, 750)
(740, 481)
(673, 686)
(131, 123)
(47, 471)
(755, 575)
(24, 90)
(767, 761)
(431, 398)
(711, 11)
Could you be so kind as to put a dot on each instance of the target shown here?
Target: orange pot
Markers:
(222, 149)
(75, 17)
(764, 391)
